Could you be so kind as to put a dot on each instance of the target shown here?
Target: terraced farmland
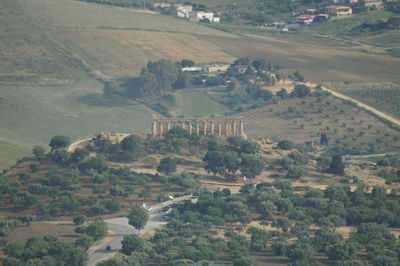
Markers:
(383, 96)
(346, 126)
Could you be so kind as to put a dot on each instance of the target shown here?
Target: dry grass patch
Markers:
(132, 49)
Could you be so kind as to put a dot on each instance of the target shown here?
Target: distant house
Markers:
(321, 18)
(201, 15)
(161, 5)
(305, 19)
(338, 11)
(216, 68)
(280, 26)
(181, 11)
(346, 2)
(311, 11)
(378, 4)
(193, 69)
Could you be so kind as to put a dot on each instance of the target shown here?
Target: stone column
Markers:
(161, 133)
(153, 128)
(219, 128)
(204, 127)
(183, 124)
(241, 131)
(234, 127)
(168, 125)
(175, 123)
(190, 127)
(212, 126)
(197, 127)
(227, 129)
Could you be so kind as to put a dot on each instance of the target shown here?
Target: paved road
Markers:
(121, 228)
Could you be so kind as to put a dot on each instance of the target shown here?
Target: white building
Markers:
(200, 15)
(182, 11)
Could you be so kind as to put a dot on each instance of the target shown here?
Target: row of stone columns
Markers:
(220, 126)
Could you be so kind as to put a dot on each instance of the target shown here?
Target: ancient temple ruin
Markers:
(219, 125)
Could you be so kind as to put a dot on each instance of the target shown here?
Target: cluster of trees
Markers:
(176, 139)
(46, 250)
(131, 148)
(239, 155)
(191, 233)
(157, 79)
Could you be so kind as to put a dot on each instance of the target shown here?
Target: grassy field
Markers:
(345, 125)
(383, 96)
(340, 26)
(10, 153)
(75, 110)
(191, 103)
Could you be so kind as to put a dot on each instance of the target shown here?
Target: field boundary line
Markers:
(366, 107)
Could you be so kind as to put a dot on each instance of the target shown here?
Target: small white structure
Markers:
(192, 69)
(200, 15)
(216, 19)
(182, 11)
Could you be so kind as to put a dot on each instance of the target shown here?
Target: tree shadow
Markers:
(98, 99)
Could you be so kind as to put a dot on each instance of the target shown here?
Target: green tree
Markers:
(34, 167)
(231, 162)
(214, 162)
(78, 220)
(132, 243)
(138, 217)
(296, 171)
(251, 166)
(133, 144)
(167, 166)
(187, 63)
(24, 177)
(342, 251)
(23, 200)
(337, 166)
(84, 241)
(286, 144)
(57, 142)
(249, 147)
(298, 76)
(79, 155)
(323, 139)
(300, 251)
(38, 152)
(97, 230)
(301, 90)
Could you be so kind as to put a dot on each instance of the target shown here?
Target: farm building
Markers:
(216, 68)
(201, 15)
(181, 11)
(338, 11)
(304, 19)
(378, 4)
(346, 2)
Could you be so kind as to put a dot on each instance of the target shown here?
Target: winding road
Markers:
(121, 228)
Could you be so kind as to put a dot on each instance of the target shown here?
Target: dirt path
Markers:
(78, 143)
(362, 105)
